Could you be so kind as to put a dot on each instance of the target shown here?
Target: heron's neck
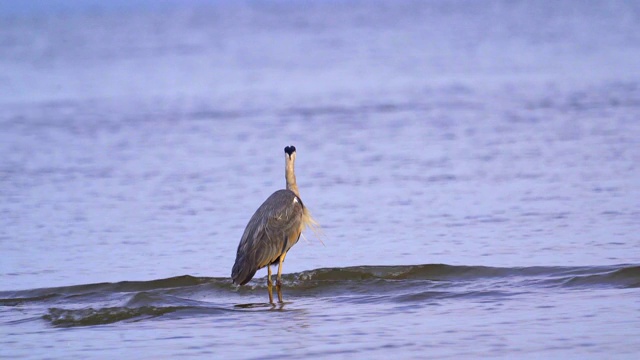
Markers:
(291, 178)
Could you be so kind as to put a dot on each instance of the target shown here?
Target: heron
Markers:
(272, 230)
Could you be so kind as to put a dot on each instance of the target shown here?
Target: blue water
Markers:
(473, 165)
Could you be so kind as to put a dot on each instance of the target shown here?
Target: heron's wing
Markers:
(278, 219)
(268, 233)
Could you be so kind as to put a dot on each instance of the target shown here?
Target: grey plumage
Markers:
(268, 234)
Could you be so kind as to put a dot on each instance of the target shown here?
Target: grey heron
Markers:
(273, 229)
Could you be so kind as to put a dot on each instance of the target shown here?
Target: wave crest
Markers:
(105, 303)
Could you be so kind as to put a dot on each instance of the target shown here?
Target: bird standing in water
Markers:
(273, 229)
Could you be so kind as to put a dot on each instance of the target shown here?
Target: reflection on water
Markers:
(500, 138)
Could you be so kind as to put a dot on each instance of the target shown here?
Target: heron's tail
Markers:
(242, 273)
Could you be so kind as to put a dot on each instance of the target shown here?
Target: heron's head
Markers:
(290, 152)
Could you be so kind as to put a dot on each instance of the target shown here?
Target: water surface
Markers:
(474, 166)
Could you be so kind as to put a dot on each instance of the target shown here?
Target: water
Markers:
(449, 311)
(473, 164)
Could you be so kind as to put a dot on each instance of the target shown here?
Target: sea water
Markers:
(473, 164)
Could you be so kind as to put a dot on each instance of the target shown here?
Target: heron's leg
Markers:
(269, 284)
(278, 277)
(279, 291)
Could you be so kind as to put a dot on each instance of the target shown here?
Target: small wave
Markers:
(620, 275)
(433, 272)
(626, 277)
(138, 309)
(105, 303)
(60, 317)
(91, 316)
(23, 296)
(15, 301)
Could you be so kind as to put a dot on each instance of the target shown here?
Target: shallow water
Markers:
(499, 139)
(450, 310)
